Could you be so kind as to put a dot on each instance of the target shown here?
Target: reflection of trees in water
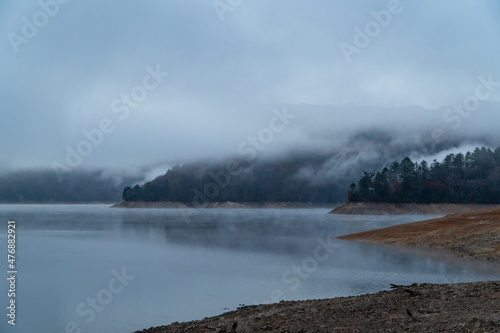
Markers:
(292, 233)
(255, 231)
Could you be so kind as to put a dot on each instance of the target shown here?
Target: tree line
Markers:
(257, 181)
(473, 177)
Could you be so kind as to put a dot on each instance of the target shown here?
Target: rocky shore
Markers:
(375, 208)
(466, 307)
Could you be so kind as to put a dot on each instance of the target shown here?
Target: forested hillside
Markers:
(473, 177)
(280, 180)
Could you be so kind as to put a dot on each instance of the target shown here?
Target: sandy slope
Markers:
(472, 234)
(373, 208)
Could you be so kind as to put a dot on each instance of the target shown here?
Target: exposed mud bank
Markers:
(473, 234)
(372, 208)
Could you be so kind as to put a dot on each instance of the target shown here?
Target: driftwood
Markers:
(405, 288)
(411, 292)
(396, 286)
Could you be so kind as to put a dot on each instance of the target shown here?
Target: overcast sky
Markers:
(67, 68)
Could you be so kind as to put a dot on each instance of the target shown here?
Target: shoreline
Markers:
(383, 208)
(474, 234)
(462, 307)
(216, 204)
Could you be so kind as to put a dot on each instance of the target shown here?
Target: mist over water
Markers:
(213, 262)
(98, 97)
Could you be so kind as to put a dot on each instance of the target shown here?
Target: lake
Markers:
(89, 268)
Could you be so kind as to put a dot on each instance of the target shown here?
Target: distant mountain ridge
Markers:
(43, 186)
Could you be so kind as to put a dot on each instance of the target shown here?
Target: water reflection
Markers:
(218, 260)
(295, 233)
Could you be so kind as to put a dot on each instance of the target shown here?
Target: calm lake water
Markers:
(88, 268)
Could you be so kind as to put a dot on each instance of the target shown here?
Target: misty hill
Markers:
(317, 176)
(45, 186)
(239, 181)
(473, 177)
(314, 159)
